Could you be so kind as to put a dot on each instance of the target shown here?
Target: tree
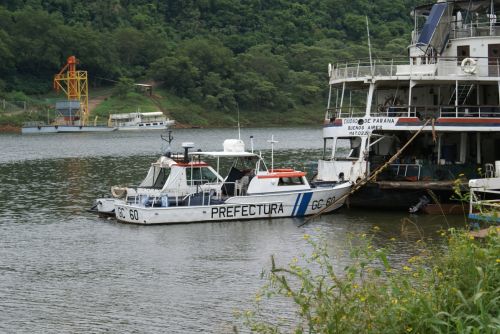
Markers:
(123, 87)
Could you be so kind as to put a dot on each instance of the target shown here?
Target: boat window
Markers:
(290, 181)
(199, 175)
(347, 148)
(155, 123)
(327, 148)
(141, 124)
(207, 175)
(193, 175)
(161, 178)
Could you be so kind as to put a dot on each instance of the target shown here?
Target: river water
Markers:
(64, 270)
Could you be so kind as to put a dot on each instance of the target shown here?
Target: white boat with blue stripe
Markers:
(249, 191)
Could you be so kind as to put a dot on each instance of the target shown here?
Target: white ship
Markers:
(140, 121)
(451, 79)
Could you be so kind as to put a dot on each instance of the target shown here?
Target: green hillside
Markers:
(209, 57)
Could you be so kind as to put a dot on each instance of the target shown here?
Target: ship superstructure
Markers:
(451, 78)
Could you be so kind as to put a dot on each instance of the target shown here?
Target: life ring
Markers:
(118, 192)
(469, 65)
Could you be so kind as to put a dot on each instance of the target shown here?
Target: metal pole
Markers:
(342, 97)
(369, 45)
(478, 148)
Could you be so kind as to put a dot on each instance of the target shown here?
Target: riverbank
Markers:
(185, 113)
(8, 128)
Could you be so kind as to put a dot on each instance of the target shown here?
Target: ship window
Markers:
(193, 176)
(327, 148)
(155, 123)
(161, 178)
(141, 124)
(290, 181)
(347, 148)
(199, 175)
(207, 175)
(463, 51)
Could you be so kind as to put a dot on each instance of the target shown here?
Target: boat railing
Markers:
(403, 169)
(484, 209)
(484, 67)
(475, 29)
(422, 112)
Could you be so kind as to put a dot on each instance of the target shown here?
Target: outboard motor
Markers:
(186, 147)
(423, 202)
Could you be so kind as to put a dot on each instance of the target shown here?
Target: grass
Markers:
(124, 104)
(454, 288)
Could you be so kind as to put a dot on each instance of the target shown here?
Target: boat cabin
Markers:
(138, 119)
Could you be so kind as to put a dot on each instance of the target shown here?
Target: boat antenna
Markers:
(369, 45)
(168, 139)
(251, 143)
(272, 141)
(239, 129)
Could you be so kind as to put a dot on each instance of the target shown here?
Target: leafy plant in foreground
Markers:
(450, 289)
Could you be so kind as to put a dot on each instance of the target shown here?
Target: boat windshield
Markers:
(200, 175)
(347, 148)
(156, 178)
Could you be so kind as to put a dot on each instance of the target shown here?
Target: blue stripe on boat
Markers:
(295, 206)
(303, 204)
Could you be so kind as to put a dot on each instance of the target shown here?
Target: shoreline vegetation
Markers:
(185, 113)
(451, 286)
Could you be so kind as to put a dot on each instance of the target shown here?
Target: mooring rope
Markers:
(368, 178)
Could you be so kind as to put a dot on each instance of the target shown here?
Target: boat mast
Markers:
(272, 141)
(370, 45)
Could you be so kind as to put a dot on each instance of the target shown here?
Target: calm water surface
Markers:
(65, 270)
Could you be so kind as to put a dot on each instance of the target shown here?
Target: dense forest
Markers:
(219, 54)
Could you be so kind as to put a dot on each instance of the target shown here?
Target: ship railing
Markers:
(363, 68)
(460, 29)
(475, 30)
(470, 111)
(345, 112)
(402, 170)
(418, 67)
(484, 67)
(422, 112)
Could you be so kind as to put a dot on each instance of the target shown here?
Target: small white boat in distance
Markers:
(249, 191)
(140, 121)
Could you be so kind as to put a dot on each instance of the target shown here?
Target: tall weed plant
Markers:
(453, 288)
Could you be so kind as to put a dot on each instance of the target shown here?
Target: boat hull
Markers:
(374, 196)
(138, 127)
(64, 129)
(293, 204)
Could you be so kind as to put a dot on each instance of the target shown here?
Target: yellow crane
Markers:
(75, 85)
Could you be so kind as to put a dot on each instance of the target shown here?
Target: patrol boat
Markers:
(249, 191)
(451, 80)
